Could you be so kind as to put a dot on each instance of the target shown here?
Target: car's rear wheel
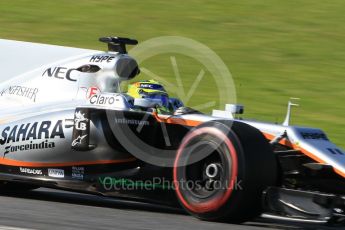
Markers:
(221, 170)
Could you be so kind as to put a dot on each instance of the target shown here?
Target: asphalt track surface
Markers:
(53, 209)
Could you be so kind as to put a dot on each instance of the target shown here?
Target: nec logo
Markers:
(59, 73)
(148, 86)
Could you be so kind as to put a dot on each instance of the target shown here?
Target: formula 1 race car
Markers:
(68, 126)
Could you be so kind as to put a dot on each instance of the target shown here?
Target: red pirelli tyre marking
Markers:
(218, 202)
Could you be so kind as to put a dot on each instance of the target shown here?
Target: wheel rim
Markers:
(207, 205)
(207, 175)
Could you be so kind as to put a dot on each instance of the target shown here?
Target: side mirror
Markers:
(147, 103)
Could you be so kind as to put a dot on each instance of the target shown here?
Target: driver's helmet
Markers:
(149, 89)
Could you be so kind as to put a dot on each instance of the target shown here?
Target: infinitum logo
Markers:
(130, 122)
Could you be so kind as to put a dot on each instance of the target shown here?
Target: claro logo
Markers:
(100, 99)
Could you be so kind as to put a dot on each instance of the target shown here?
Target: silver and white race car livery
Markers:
(66, 124)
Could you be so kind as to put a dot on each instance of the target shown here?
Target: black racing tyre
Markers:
(227, 183)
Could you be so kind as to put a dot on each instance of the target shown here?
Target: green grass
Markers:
(274, 49)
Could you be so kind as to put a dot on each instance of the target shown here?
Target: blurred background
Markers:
(274, 49)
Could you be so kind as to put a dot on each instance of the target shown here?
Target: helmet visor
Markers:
(158, 96)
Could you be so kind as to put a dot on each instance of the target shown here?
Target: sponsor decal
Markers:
(32, 131)
(92, 91)
(81, 130)
(131, 122)
(105, 58)
(57, 173)
(80, 121)
(314, 136)
(24, 147)
(78, 140)
(89, 92)
(31, 171)
(78, 172)
(102, 99)
(20, 91)
(335, 151)
(59, 73)
(151, 86)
